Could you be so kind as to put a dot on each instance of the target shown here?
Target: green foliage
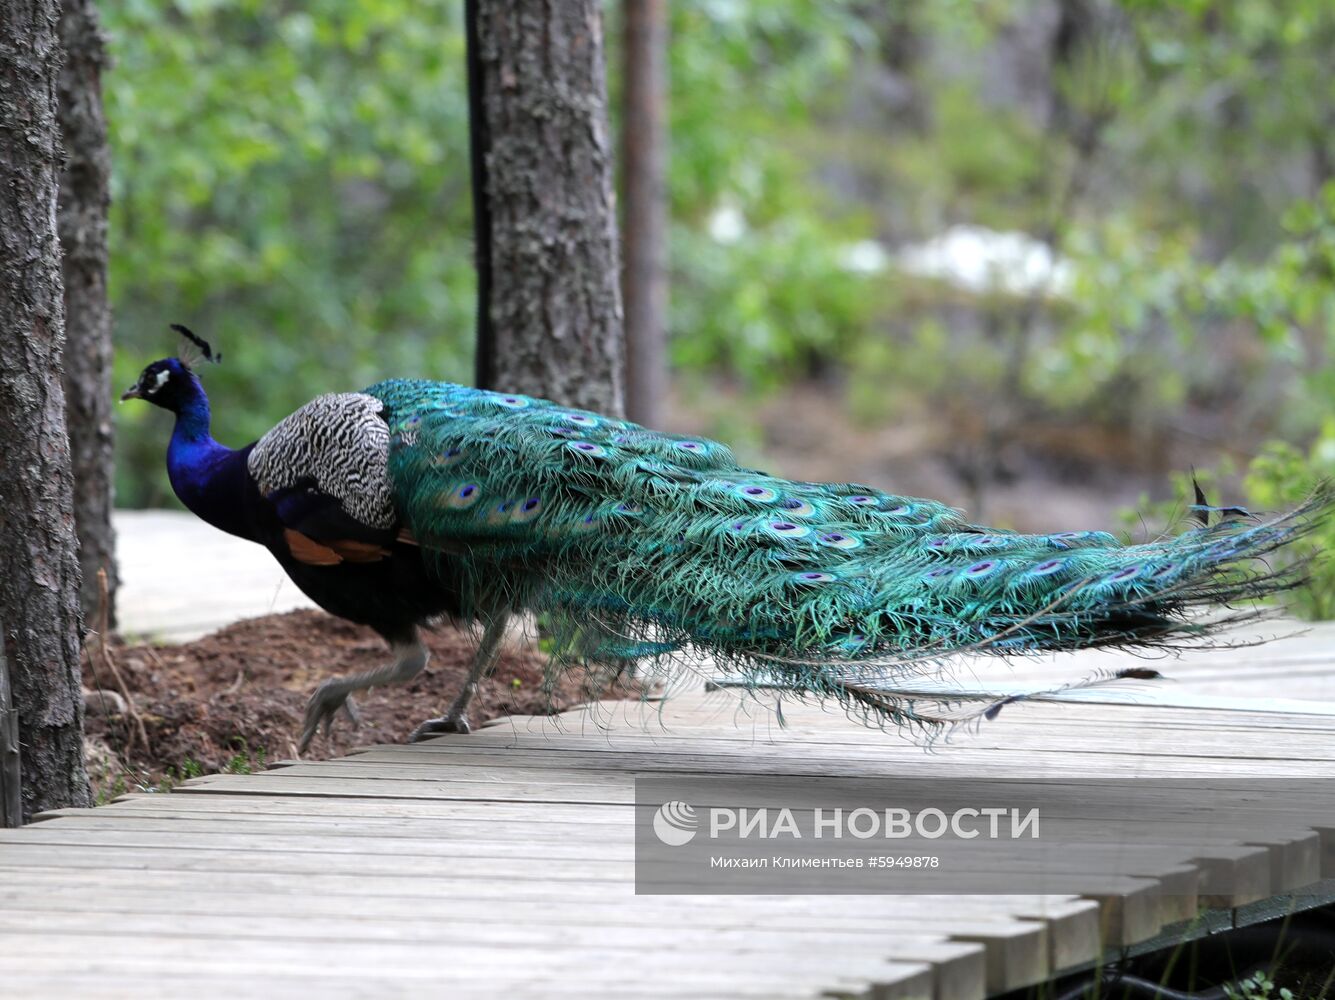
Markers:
(1279, 478)
(293, 183)
(1151, 519)
(1282, 475)
(187, 769)
(1257, 986)
(776, 303)
(761, 286)
(245, 760)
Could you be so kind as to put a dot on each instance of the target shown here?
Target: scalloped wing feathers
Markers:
(335, 446)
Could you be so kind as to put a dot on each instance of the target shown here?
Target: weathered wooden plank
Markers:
(1300, 748)
(111, 953)
(150, 986)
(1296, 853)
(1224, 865)
(463, 931)
(1234, 875)
(396, 889)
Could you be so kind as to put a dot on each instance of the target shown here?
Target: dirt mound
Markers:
(235, 699)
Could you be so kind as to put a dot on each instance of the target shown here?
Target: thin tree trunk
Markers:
(644, 226)
(84, 196)
(554, 307)
(39, 567)
(11, 770)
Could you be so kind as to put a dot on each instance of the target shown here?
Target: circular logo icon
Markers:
(675, 824)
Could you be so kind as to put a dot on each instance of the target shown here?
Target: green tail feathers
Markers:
(634, 540)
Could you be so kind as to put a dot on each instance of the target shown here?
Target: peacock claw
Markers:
(457, 724)
(325, 703)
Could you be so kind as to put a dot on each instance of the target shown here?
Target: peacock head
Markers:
(170, 383)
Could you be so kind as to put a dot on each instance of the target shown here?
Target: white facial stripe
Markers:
(160, 380)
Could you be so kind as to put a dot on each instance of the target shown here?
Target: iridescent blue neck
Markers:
(209, 478)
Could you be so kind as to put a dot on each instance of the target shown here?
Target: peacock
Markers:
(413, 500)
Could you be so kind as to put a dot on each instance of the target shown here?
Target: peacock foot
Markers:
(457, 724)
(329, 697)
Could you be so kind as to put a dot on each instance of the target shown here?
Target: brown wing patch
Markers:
(307, 550)
(359, 552)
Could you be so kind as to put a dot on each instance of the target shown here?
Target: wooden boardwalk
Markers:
(501, 864)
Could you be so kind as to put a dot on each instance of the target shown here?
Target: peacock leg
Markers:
(455, 720)
(410, 658)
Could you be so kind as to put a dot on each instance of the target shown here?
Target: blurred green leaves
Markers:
(292, 182)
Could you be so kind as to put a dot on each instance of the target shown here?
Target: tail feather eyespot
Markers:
(793, 507)
(755, 493)
(812, 578)
(464, 496)
(839, 540)
(588, 449)
(527, 511)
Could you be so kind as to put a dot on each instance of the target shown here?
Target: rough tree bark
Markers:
(644, 212)
(39, 568)
(547, 244)
(84, 196)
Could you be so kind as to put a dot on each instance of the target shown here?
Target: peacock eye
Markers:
(448, 458)
(814, 578)
(756, 494)
(500, 514)
(840, 540)
(797, 508)
(527, 511)
(852, 641)
(465, 496)
(587, 448)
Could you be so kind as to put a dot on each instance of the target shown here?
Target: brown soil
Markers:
(235, 699)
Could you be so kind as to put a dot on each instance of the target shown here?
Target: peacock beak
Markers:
(133, 392)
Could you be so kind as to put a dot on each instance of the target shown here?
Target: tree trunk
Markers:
(39, 566)
(549, 256)
(11, 772)
(84, 196)
(644, 225)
